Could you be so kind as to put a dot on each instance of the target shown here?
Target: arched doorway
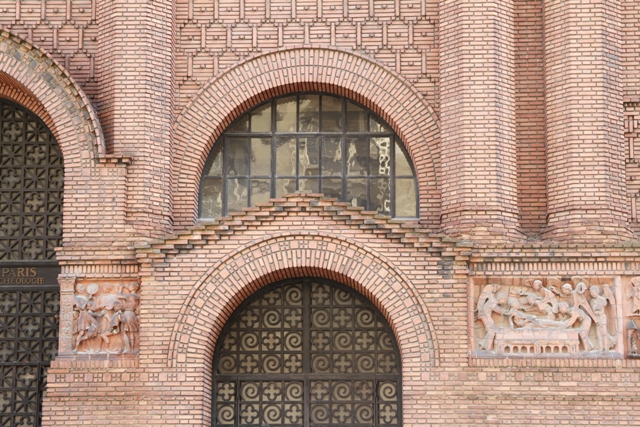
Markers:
(306, 352)
(31, 186)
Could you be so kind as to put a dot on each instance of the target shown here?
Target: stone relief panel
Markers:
(539, 317)
(106, 318)
(632, 316)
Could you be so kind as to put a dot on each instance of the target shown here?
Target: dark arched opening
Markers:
(31, 190)
(307, 352)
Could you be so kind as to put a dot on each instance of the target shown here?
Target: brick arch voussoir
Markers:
(226, 284)
(260, 78)
(13, 91)
(74, 121)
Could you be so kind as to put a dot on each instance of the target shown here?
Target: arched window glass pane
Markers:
(306, 352)
(309, 141)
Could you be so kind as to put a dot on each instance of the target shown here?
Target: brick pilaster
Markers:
(584, 121)
(136, 65)
(530, 130)
(478, 118)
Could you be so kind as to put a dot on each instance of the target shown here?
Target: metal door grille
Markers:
(307, 353)
(31, 185)
(28, 342)
(31, 180)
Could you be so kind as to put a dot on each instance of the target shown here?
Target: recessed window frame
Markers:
(344, 135)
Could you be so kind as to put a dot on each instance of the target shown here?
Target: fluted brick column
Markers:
(136, 101)
(584, 121)
(478, 119)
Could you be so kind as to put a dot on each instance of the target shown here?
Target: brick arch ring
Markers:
(260, 78)
(225, 285)
(75, 122)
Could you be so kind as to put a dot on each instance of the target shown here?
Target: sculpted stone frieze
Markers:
(546, 317)
(106, 318)
(632, 310)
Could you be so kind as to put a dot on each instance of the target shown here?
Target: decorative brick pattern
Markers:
(33, 78)
(194, 280)
(67, 30)
(64, 101)
(629, 10)
(214, 36)
(13, 90)
(288, 256)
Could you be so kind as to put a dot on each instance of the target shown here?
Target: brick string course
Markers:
(520, 117)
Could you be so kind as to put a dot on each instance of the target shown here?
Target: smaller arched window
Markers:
(309, 141)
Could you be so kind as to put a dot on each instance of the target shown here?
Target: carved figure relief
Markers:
(106, 318)
(632, 298)
(546, 317)
(633, 294)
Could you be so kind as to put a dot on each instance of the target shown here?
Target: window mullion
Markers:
(344, 150)
(392, 177)
(225, 176)
(273, 148)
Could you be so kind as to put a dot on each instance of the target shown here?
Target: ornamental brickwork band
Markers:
(574, 317)
(105, 318)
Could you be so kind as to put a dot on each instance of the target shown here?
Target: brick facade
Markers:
(521, 120)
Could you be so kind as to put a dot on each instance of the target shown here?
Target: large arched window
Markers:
(309, 141)
(31, 189)
(306, 352)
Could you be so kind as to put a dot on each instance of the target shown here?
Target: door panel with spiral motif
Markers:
(307, 352)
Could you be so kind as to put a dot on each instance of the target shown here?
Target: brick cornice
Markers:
(406, 232)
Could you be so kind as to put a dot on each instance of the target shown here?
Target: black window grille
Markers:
(307, 353)
(31, 185)
(309, 141)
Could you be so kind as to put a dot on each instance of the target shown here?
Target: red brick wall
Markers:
(632, 156)
(192, 282)
(631, 70)
(137, 63)
(530, 123)
(479, 186)
(215, 36)
(585, 149)
(13, 90)
(630, 53)
(328, 70)
(511, 111)
(212, 37)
